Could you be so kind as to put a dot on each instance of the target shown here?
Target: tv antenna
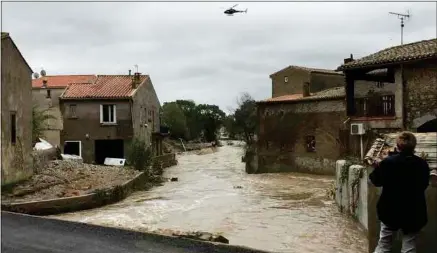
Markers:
(402, 17)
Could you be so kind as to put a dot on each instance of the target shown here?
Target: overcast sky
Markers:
(194, 51)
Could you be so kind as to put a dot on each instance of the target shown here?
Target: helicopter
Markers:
(231, 11)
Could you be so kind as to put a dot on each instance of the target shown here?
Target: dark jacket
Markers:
(404, 179)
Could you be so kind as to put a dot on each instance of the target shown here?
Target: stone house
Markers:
(45, 95)
(302, 132)
(290, 80)
(401, 90)
(16, 114)
(101, 119)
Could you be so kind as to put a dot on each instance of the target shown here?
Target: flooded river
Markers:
(275, 212)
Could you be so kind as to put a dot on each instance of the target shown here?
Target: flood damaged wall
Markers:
(351, 191)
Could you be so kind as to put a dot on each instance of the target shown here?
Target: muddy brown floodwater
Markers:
(276, 212)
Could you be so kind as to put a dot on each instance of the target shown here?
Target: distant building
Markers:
(16, 114)
(101, 119)
(45, 95)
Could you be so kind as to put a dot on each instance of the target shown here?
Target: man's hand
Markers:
(375, 163)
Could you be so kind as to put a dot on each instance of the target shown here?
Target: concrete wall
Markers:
(282, 130)
(421, 94)
(352, 200)
(16, 85)
(54, 126)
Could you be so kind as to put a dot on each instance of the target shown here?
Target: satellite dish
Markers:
(43, 72)
(36, 75)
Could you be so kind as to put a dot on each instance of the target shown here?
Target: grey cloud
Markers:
(193, 51)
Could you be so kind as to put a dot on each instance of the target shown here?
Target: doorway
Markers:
(73, 148)
(108, 148)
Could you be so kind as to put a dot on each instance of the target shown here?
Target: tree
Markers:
(230, 126)
(211, 118)
(188, 107)
(246, 118)
(173, 117)
(39, 122)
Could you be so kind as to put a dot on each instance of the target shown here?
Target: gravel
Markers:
(66, 178)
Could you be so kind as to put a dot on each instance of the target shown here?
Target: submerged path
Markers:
(287, 212)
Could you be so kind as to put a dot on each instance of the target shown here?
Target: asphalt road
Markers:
(31, 234)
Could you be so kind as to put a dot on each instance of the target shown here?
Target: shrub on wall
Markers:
(140, 155)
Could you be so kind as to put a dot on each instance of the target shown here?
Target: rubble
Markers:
(67, 178)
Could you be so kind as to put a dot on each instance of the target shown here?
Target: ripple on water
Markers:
(286, 212)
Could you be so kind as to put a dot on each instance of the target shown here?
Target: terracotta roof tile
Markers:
(62, 81)
(104, 87)
(336, 92)
(425, 49)
(324, 71)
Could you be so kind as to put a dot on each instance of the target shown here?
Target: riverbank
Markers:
(68, 178)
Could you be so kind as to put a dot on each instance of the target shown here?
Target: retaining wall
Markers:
(164, 161)
(70, 204)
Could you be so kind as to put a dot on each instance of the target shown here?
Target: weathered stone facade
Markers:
(291, 79)
(421, 94)
(16, 97)
(284, 127)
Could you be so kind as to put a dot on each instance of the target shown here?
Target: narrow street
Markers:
(274, 212)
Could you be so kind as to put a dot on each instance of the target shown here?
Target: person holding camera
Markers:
(404, 178)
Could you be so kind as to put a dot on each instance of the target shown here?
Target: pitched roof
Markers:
(421, 50)
(332, 93)
(104, 87)
(311, 70)
(62, 81)
(426, 143)
(6, 35)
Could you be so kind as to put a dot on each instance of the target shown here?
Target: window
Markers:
(108, 114)
(13, 128)
(286, 79)
(311, 143)
(73, 111)
(49, 95)
(375, 106)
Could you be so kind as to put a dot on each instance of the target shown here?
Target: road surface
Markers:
(30, 234)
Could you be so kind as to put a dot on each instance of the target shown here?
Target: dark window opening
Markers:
(49, 94)
(108, 149)
(73, 111)
(375, 106)
(13, 128)
(72, 148)
(311, 143)
(108, 112)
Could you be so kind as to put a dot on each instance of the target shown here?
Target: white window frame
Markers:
(114, 120)
(80, 146)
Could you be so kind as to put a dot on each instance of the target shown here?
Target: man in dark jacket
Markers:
(404, 178)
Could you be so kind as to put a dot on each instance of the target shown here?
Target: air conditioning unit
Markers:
(357, 129)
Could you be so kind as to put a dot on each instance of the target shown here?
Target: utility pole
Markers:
(401, 17)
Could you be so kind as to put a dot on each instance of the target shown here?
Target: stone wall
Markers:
(164, 161)
(16, 92)
(421, 94)
(283, 129)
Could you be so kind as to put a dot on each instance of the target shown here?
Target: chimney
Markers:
(136, 80)
(347, 60)
(44, 82)
(306, 89)
(130, 72)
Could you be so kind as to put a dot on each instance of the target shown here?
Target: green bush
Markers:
(140, 155)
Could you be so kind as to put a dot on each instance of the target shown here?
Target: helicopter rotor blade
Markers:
(234, 6)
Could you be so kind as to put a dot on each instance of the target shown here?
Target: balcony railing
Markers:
(375, 106)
